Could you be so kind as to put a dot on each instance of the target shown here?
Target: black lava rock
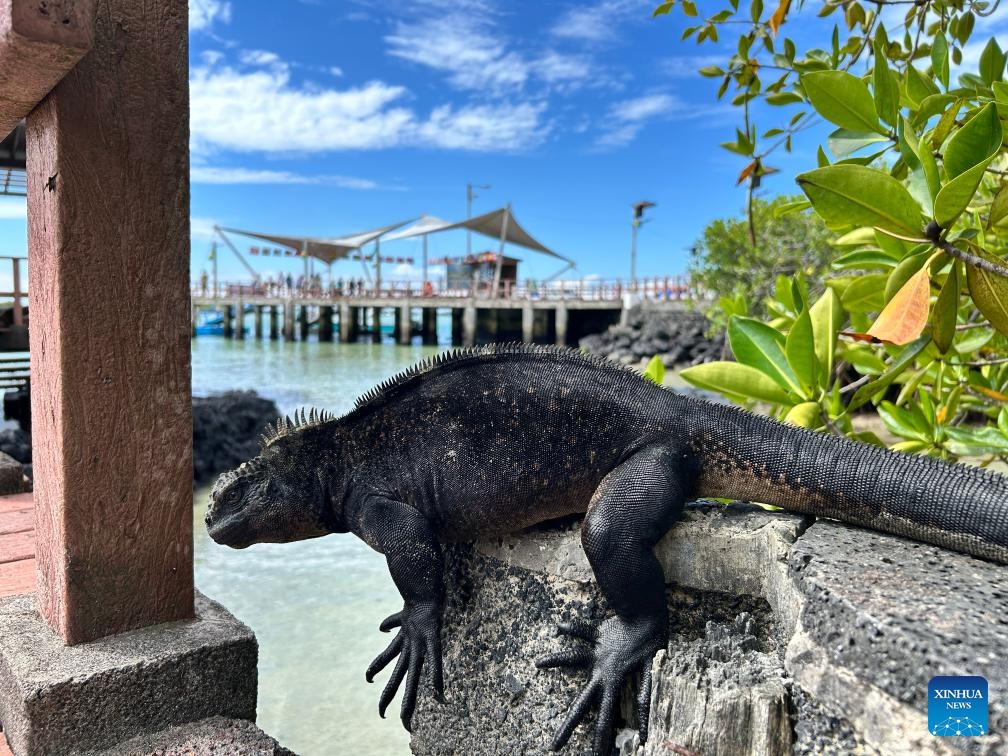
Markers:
(226, 430)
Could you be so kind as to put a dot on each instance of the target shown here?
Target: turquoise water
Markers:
(315, 606)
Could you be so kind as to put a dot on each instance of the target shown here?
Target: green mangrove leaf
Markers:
(906, 358)
(943, 318)
(826, 315)
(976, 143)
(805, 415)
(843, 99)
(799, 347)
(655, 370)
(989, 292)
(735, 381)
(762, 347)
(853, 195)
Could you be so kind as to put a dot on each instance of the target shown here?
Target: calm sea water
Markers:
(315, 606)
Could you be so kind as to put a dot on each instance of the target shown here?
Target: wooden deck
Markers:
(17, 544)
(17, 554)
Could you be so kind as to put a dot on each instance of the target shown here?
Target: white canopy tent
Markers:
(498, 224)
(328, 250)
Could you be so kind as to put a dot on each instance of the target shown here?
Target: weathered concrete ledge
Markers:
(56, 699)
(214, 736)
(786, 638)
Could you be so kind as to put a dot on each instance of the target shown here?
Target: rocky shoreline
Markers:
(680, 339)
(226, 431)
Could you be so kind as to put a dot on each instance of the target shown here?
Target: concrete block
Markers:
(57, 699)
(787, 636)
(215, 736)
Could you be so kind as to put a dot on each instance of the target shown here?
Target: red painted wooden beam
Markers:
(39, 43)
(108, 249)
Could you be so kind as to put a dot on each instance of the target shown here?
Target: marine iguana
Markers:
(486, 441)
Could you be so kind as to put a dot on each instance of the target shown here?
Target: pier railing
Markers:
(659, 288)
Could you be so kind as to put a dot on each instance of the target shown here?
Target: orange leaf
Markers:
(991, 393)
(778, 16)
(747, 172)
(905, 317)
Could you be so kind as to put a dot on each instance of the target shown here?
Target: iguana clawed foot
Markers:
(418, 641)
(620, 649)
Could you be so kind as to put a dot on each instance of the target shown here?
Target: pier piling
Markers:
(325, 332)
(274, 323)
(428, 321)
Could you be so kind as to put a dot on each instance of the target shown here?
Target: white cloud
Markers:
(13, 208)
(484, 127)
(628, 117)
(262, 110)
(259, 57)
(598, 22)
(203, 13)
(642, 108)
(335, 70)
(202, 229)
(203, 174)
(460, 46)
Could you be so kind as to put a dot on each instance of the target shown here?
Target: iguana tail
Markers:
(753, 458)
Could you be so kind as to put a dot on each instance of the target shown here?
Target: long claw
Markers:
(412, 683)
(381, 661)
(392, 686)
(644, 702)
(575, 714)
(579, 628)
(603, 729)
(390, 622)
(435, 673)
(575, 658)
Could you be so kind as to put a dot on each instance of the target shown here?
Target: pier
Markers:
(558, 312)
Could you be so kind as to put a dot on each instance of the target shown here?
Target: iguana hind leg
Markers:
(632, 509)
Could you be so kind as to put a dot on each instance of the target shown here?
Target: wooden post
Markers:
(239, 308)
(228, 327)
(469, 325)
(274, 323)
(528, 321)
(325, 331)
(258, 322)
(429, 329)
(405, 324)
(344, 322)
(288, 326)
(303, 322)
(561, 324)
(39, 44)
(108, 211)
(376, 325)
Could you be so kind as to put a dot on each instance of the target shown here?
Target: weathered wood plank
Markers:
(16, 501)
(108, 211)
(39, 43)
(18, 521)
(17, 577)
(16, 547)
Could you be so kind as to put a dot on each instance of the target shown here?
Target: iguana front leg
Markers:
(632, 509)
(413, 554)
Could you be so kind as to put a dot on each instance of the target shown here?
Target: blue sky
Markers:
(326, 117)
(330, 117)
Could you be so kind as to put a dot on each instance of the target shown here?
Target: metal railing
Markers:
(655, 288)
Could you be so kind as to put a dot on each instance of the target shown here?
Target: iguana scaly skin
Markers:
(487, 441)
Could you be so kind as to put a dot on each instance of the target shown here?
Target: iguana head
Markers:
(277, 497)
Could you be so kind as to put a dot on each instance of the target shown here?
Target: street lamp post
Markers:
(637, 222)
(470, 196)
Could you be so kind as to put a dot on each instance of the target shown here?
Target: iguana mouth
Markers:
(230, 532)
